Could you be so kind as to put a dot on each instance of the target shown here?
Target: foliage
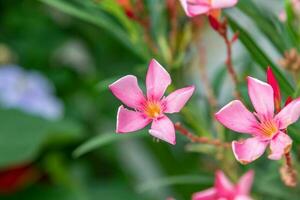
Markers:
(83, 46)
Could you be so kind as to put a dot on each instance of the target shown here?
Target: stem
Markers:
(198, 139)
(297, 92)
(288, 173)
(229, 64)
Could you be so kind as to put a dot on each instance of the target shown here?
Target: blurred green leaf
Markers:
(22, 136)
(270, 185)
(266, 22)
(175, 180)
(218, 80)
(292, 33)
(87, 11)
(260, 56)
(46, 193)
(115, 9)
(201, 148)
(103, 85)
(102, 140)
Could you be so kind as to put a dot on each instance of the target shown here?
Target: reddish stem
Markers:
(198, 139)
(288, 173)
(223, 30)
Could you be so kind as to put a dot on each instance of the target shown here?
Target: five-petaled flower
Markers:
(224, 190)
(208, 7)
(153, 106)
(265, 127)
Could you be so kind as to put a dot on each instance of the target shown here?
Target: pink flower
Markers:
(265, 126)
(153, 106)
(209, 7)
(225, 190)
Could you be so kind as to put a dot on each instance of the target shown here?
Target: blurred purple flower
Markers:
(28, 91)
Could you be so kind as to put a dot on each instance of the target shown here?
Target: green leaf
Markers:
(22, 136)
(102, 140)
(46, 193)
(114, 9)
(267, 23)
(259, 56)
(218, 80)
(175, 180)
(87, 11)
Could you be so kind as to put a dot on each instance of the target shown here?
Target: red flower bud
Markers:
(273, 82)
(214, 23)
(288, 101)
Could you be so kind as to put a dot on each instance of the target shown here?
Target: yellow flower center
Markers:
(152, 109)
(269, 128)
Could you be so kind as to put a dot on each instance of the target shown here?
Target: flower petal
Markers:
(223, 186)
(157, 80)
(280, 145)
(127, 90)
(235, 116)
(245, 183)
(177, 99)
(163, 129)
(248, 150)
(262, 97)
(209, 194)
(242, 197)
(129, 121)
(195, 7)
(289, 114)
(223, 3)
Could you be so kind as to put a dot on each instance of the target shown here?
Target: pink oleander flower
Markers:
(265, 126)
(224, 190)
(208, 7)
(153, 106)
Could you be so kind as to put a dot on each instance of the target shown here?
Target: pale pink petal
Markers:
(242, 197)
(279, 145)
(209, 194)
(128, 91)
(129, 121)
(195, 7)
(235, 116)
(157, 80)
(163, 129)
(262, 97)
(177, 99)
(215, 4)
(289, 114)
(223, 186)
(245, 183)
(248, 150)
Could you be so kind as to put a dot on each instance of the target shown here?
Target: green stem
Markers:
(297, 92)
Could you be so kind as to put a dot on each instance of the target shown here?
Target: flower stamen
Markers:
(152, 109)
(268, 128)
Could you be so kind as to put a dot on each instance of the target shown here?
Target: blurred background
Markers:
(57, 116)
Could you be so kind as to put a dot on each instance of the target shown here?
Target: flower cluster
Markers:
(267, 125)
